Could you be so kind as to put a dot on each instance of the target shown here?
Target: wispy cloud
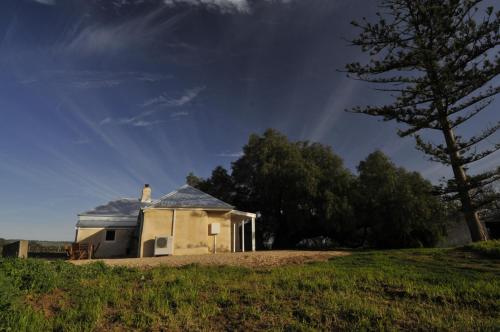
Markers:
(142, 123)
(137, 170)
(166, 100)
(230, 154)
(105, 38)
(105, 121)
(155, 105)
(225, 6)
(135, 122)
(132, 121)
(82, 140)
(28, 80)
(333, 109)
(96, 84)
(92, 79)
(179, 114)
(46, 2)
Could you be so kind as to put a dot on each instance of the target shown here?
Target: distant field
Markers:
(424, 289)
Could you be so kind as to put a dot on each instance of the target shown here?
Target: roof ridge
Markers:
(201, 191)
(165, 196)
(196, 191)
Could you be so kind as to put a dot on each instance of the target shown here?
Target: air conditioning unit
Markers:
(163, 245)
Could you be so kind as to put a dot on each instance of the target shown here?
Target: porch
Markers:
(240, 222)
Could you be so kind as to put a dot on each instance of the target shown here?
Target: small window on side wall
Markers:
(110, 235)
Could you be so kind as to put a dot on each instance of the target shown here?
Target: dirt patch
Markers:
(50, 304)
(246, 259)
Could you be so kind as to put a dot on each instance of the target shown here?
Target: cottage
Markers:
(186, 221)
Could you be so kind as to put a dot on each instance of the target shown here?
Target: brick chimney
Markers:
(146, 194)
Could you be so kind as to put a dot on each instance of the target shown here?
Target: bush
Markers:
(320, 242)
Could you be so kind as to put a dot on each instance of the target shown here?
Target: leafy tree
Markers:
(489, 209)
(332, 212)
(193, 180)
(302, 190)
(219, 184)
(439, 59)
(272, 178)
(396, 208)
(299, 189)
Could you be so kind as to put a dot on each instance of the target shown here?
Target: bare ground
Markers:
(246, 259)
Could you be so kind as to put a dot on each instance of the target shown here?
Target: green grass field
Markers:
(424, 289)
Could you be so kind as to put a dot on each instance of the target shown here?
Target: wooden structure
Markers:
(81, 251)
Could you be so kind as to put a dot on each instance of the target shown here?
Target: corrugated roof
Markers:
(189, 197)
(100, 223)
(121, 207)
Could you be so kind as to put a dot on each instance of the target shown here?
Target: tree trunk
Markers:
(477, 231)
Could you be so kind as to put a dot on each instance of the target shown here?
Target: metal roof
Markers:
(102, 221)
(123, 213)
(189, 197)
(106, 224)
(121, 207)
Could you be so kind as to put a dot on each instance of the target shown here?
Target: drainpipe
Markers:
(234, 237)
(243, 236)
(173, 230)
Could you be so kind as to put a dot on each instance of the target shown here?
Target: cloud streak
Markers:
(230, 154)
(156, 105)
(133, 122)
(225, 6)
(179, 114)
(92, 79)
(82, 140)
(333, 110)
(167, 101)
(105, 38)
(46, 2)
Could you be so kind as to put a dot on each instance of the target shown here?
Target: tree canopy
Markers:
(396, 208)
(301, 190)
(438, 59)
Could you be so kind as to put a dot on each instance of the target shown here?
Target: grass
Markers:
(486, 248)
(424, 289)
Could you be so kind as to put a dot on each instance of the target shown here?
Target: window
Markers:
(110, 235)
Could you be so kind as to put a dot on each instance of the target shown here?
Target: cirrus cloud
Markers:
(225, 6)
(46, 2)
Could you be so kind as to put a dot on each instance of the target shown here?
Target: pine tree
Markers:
(439, 60)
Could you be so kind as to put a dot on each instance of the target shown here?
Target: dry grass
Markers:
(242, 259)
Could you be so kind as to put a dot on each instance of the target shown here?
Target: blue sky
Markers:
(99, 97)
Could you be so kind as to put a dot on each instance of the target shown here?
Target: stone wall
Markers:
(16, 249)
